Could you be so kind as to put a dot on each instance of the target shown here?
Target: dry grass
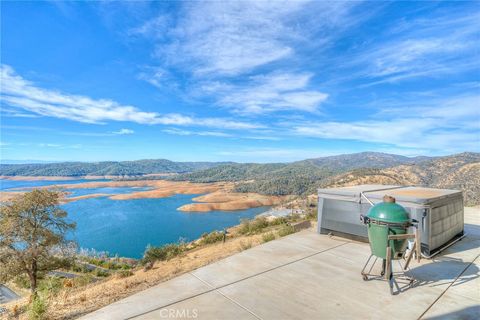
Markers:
(73, 302)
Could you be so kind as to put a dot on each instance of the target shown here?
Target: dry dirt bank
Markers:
(162, 189)
(229, 201)
(8, 195)
(87, 196)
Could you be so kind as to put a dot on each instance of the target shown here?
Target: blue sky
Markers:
(241, 81)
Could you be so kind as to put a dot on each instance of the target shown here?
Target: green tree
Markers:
(32, 235)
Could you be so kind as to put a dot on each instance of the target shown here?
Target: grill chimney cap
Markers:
(388, 199)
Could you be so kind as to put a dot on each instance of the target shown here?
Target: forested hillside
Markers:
(461, 171)
(129, 168)
(301, 177)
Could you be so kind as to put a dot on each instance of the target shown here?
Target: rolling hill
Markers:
(460, 171)
(113, 168)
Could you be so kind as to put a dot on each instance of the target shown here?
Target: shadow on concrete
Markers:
(472, 231)
(445, 270)
(470, 313)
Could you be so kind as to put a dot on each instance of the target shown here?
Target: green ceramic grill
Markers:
(387, 224)
(386, 219)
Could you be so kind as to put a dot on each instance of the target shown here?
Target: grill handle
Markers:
(364, 219)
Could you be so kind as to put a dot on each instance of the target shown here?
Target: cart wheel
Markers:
(364, 277)
(382, 273)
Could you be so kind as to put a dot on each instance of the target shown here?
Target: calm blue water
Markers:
(126, 227)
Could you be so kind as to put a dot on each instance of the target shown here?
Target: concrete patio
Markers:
(312, 276)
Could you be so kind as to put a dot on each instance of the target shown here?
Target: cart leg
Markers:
(383, 267)
(418, 248)
(388, 263)
(410, 255)
(391, 283)
(364, 275)
(389, 269)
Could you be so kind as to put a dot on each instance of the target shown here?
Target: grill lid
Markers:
(388, 212)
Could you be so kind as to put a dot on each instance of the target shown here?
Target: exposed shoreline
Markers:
(230, 201)
(216, 196)
(86, 196)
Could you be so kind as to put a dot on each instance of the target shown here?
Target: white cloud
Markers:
(446, 43)
(268, 93)
(180, 132)
(55, 145)
(226, 37)
(49, 145)
(449, 126)
(243, 54)
(22, 94)
(123, 132)
(216, 42)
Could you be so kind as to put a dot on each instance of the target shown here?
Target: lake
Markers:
(126, 227)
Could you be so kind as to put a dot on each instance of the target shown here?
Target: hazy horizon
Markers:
(33, 161)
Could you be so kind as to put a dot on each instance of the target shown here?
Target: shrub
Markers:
(312, 214)
(268, 237)
(77, 268)
(38, 309)
(162, 253)
(126, 266)
(286, 230)
(277, 221)
(124, 273)
(83, 280)
(22, 281)
(256, 225)
(108, 265)
(244, 226)
(51, 285)
(101, 273)
(212, 237)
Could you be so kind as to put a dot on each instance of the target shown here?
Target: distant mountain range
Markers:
(460, 171)
(235, 171)
(29, 161)
(110, 168)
